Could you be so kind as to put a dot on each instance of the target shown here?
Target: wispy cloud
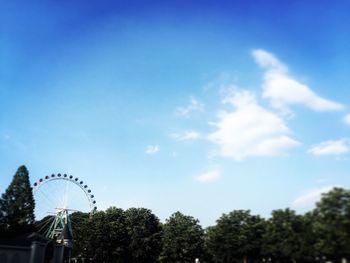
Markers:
(321, 180)
(283, 90)
(194, 105)
(250, 130)
(347, 119)
(152, 149)
(311, 197)
(188, 135)
(331, 147)
(208, 177)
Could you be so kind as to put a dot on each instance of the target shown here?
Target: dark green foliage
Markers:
(80, 231)
(144, 231)
(102, 237)
(237, 236)
(288, 237)
(117, 236)
(183, 239)
(136, 235)
(3, 226)
(17, 204)
(308, 238)
(332, 224)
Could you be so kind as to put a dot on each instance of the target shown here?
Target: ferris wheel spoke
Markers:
(48, 200)
(55, 192)
(66, 195)
(43, 222)
(46, 224)
(61, 195)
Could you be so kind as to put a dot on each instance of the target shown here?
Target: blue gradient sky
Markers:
(87, 86)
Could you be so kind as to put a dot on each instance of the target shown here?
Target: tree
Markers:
(183, 239)
(3, 227)
(308, 238)
(236, 236)
(288, 237)
(17, 204)
(144, 232)
(117, 236)
(102, 237)
(80, 231)
(332, 224)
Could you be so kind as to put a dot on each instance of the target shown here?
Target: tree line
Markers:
(136, 235)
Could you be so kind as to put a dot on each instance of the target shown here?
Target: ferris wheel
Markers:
(56, 197)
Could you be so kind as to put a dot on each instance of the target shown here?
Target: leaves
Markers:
(136, 235)
(183, 239)
(144, 232)
(332, 224)
(117, 236)
(235, 236)
(17, 204)
(288, 236)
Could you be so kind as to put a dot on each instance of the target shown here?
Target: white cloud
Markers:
(207, 177)
(268, 61)
(152, 149)
(188, 135)
(311, 197)
(194, 105)
(250, 130)
(347, 119)
(321, 180)
(331, 147)
(283, 90)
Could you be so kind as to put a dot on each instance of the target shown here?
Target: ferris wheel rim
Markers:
(84, 187)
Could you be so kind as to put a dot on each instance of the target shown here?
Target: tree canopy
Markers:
(115, 235)
(144, 231)
(183, 239)
(17, 204)
(136, 235)
(332, 224)
(236, 236)
(286, 237)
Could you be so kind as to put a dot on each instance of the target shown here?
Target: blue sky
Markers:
(197, 106)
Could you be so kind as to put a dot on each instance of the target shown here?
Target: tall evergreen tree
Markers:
(17, 203)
